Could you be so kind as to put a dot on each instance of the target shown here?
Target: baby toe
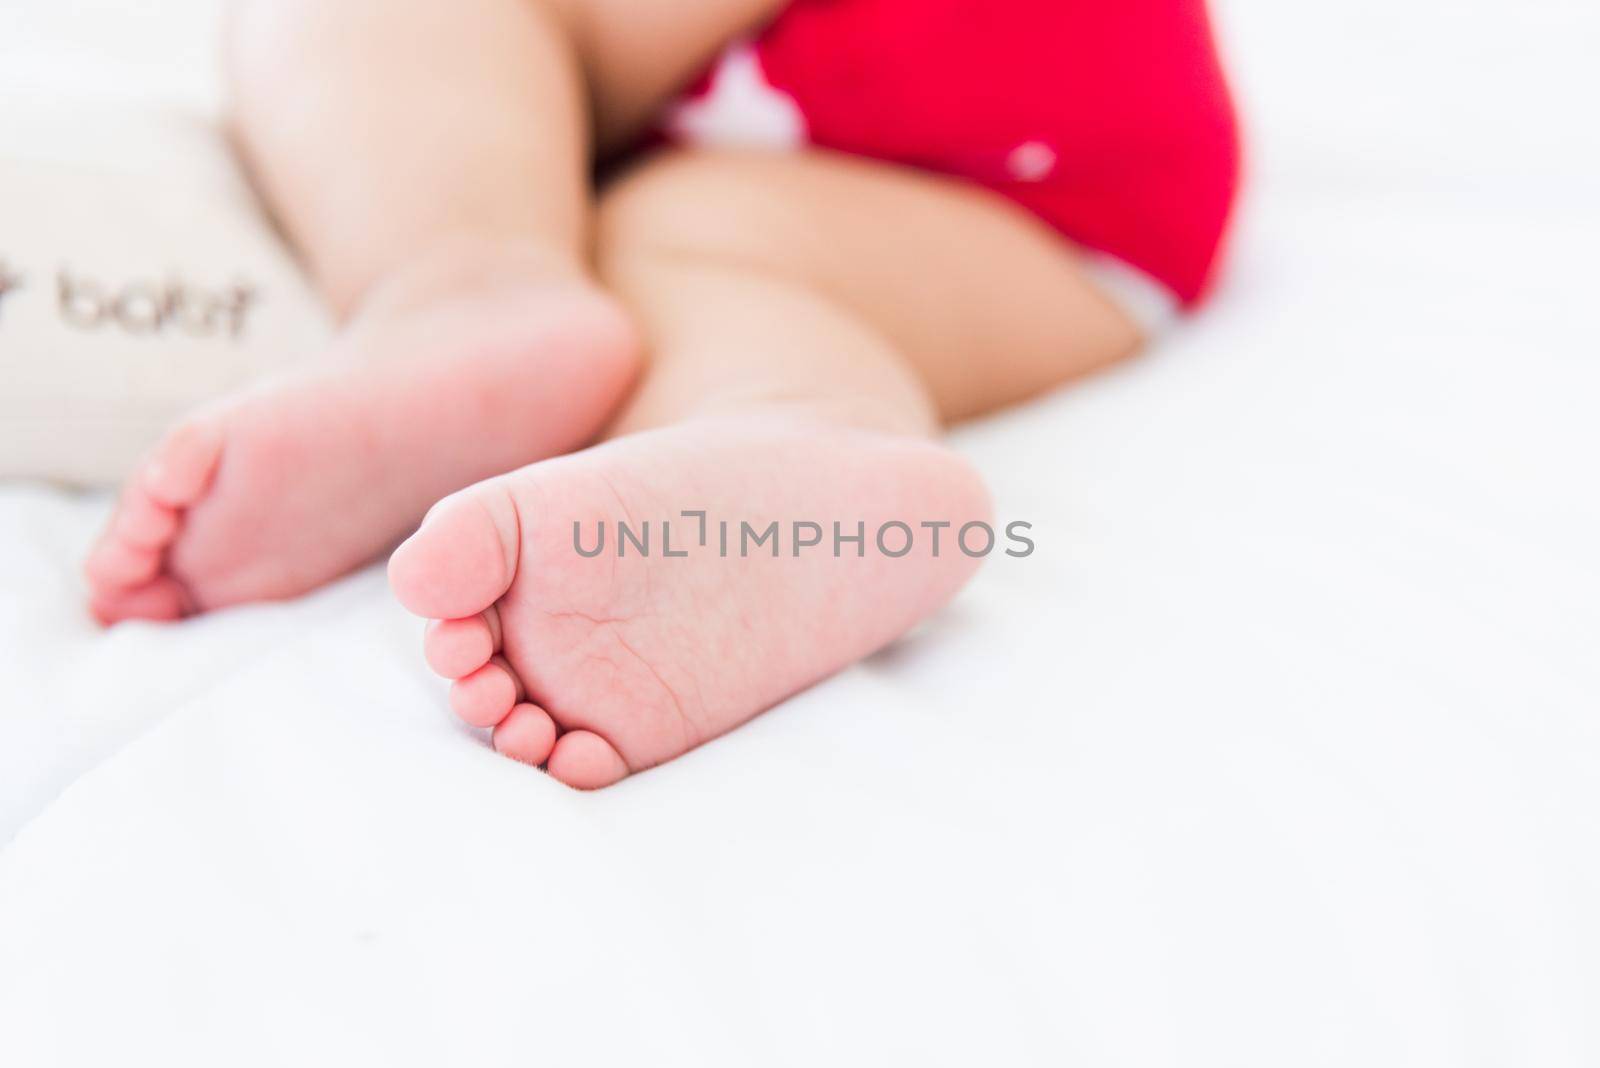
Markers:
(161, 600)
(483, 698)
(526, 734)
(143, 521)
(586, 761)
(115, 563)
(462, 558)
(457, 647)
(183, 463)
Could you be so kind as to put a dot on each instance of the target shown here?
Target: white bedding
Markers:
(1283, 749)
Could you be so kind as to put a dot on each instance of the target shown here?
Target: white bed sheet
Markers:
(1282, 749)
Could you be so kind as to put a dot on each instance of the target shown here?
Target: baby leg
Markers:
(810, 321)
(383, 130)
(431, 161)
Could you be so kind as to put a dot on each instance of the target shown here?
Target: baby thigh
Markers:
(976, 299)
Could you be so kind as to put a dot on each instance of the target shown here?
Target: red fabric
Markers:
(1127, 95)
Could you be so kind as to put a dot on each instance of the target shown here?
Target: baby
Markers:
(722, 338)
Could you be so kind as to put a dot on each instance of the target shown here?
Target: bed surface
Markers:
(1283, 748)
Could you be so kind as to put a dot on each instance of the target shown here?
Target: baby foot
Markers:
(277, 491)
(603, 665)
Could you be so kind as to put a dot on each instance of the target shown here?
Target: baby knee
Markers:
(690, 204)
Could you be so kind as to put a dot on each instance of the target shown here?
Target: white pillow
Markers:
(139, 277)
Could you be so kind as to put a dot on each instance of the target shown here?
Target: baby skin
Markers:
(758, 337)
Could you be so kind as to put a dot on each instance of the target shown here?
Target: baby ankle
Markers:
(465, 264)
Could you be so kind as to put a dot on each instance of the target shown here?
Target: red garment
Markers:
(1109, 119)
